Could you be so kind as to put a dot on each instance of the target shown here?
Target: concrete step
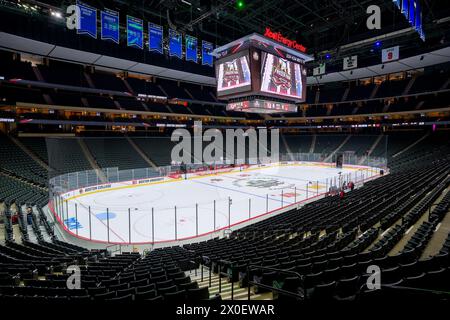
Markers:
(31, 234)
(410, 232)
(17, 235)
(2, 233)
(439, 236)
(223, 287)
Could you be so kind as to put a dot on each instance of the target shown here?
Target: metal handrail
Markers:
(220, 263)
(279, 290)
(434, 291)
(209, 280)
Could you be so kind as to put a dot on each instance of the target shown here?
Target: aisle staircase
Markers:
(338, 148)
(288, 149)
(30, 153)
(440, 234)
(313, 143)
(141, 152)
(411, 145)
(94, 165)
(223, 286)
(372, 148)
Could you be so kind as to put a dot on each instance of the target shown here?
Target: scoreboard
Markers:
(258, 74)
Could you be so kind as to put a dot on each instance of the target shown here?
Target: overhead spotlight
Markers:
(240, 4)
(56, 14)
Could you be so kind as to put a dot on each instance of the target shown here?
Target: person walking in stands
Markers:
(351, 185)
(341, 194)
(29, 215)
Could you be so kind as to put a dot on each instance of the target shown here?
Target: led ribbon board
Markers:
(87, 20)
(110, 25)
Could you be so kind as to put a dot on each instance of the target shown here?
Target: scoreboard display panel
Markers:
(233, 75)
(281, 77)
(257, 74)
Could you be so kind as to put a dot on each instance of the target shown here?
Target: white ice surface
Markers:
(247, 190)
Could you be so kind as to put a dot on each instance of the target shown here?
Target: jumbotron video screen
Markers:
(281, 77)
(233, 76)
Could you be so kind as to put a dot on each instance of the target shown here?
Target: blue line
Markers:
(252, 194)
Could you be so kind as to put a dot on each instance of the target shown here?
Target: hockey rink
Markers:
(186, 206)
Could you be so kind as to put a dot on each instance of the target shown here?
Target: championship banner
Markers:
(135, 32)
(155, 36)
(191, 48)
(405, 8)
(412, 13)
(390, 54)
(350, 62)
(110, 25)
(87, 20)
(175, 46)
(207, 58)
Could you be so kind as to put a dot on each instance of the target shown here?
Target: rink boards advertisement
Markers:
(176, 176)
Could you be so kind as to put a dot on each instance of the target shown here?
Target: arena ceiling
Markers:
(320, 25)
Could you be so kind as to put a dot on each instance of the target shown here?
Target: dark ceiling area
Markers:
(322, 26)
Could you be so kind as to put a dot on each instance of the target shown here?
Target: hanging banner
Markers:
(87, 20)
(135, 32)
(317, 71)
(175, 44)
(350, 62)
(412, 13)
(155, 36)
(390, 54)
(110, 25)
(207, 57)
(191, 48)
(405, 8)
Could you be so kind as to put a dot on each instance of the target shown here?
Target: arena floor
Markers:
(236, 195)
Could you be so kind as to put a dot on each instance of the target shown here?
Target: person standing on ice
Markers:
(183, 169)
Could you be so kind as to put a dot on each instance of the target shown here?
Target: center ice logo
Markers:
(235, 140)
(264, 183)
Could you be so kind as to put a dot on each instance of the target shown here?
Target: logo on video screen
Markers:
(231, 72)
(281, 75)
